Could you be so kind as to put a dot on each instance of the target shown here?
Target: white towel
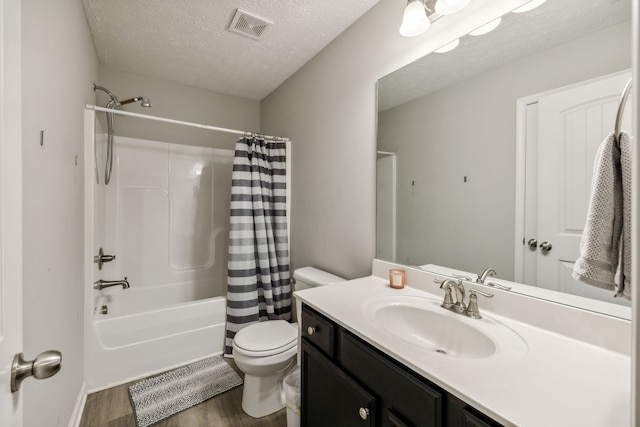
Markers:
(624, 282)
(605, 248)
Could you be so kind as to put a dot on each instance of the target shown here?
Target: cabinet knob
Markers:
(311, 330)
(364, 413)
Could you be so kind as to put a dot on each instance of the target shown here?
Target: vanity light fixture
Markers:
(528, 6)
(486, 28)
(414, 20)
(447, 7)
(448, 47)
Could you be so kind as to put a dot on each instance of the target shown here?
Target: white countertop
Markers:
(557, 381)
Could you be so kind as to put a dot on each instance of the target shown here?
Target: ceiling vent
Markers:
(249, 25)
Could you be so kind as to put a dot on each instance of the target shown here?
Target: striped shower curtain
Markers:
(258, 283)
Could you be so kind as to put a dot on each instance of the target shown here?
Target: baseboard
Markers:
(76, 415)
(96, 388)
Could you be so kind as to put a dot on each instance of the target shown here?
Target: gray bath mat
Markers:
(157, 398)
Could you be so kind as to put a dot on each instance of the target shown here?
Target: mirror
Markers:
(455, 161)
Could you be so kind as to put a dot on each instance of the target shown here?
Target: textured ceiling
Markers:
(188, 41)
(518, 36)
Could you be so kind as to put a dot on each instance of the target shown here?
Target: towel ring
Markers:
(623, 101)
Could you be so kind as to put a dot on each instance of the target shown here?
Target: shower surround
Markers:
(165, 216)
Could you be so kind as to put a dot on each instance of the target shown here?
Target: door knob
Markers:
(533, 243)
(545, 246)
(45, 365)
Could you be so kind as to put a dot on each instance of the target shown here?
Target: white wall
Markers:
(178, 102)
(59, 65)
(468, 130)
(328, 108)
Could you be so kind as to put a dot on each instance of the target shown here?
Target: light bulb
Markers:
(528, 6)
(448, 47)
(414, 20)
(486, 28)
(447, 7)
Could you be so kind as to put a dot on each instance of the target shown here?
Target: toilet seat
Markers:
(266, 338)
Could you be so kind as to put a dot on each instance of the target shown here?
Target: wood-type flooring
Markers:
(112, 408)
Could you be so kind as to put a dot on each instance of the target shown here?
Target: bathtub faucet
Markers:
(101, 284)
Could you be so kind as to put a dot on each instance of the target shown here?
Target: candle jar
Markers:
(396, 278)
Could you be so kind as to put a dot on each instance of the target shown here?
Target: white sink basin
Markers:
(422, 323)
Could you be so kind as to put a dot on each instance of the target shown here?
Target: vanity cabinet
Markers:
(347, 382)
(330, 397)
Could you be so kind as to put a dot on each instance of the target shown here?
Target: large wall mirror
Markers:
(470, 172)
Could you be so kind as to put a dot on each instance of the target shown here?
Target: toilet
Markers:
(267, 351)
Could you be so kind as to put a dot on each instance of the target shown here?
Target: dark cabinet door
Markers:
(476, 420)
(396, 420)
(410, 400)
(329, 396)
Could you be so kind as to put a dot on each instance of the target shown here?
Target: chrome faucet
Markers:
(448, 299)
(459, 306)
(457, 286)
(101, 284)
(489, 272)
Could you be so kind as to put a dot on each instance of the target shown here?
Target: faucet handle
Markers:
(498, 286)
(472, 309)
(484, 294)
(461, 276)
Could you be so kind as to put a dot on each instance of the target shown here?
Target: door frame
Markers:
(393, 202)
(11, 311)
(521, 166)
(635, 221)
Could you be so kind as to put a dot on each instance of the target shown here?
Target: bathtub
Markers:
(122, 302)
(125, 347)
(165, 215)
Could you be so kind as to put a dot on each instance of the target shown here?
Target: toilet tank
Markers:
(310, 277)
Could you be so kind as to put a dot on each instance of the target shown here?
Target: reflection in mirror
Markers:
(491, 146)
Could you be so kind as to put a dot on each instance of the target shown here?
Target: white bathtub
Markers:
(131, 346)
(165, 215)
(136, 299)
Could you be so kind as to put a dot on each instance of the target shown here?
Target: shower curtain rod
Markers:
(179, 122)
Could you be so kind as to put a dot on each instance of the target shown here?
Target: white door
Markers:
(10, 208)
(572, 124)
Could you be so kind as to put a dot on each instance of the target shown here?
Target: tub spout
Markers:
(101, 284)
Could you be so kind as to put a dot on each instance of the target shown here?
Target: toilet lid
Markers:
(267, 338)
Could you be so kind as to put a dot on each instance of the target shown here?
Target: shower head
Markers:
(114, 103)
(144, 101)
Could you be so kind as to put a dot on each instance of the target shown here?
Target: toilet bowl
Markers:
(267, 351)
